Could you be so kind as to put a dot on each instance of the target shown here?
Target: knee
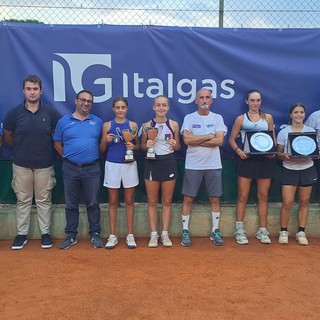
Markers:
(152, 202)
(304, 203)
(262, 197)
(287, 205)
(167, 202)
(129, 203)
(242, 198)
(113, 203)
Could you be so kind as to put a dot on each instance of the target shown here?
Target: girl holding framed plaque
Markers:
(259, 167)
(160, 136)
(119, 139)
(298, 174)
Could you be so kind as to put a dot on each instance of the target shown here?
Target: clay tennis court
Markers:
(202, 282)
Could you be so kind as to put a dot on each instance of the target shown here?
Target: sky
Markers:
(191, 13)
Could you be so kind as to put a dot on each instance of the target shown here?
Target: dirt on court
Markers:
(255, 281)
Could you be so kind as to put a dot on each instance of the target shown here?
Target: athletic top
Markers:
(248, 125)
(165, 133)
(32, 135)
(313, 121)
(117, 150)
(198, 157)
(296, 163)
(80, 138)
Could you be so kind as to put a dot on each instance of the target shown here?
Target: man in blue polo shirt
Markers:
(29, 128)
(76, 139)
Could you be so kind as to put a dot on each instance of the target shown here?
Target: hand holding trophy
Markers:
(152, 133)
(128, 135)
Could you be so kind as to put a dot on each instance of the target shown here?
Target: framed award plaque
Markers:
(259, 143)
(303, 144)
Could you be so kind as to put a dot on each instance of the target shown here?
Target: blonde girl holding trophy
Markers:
(119, 140)
(160, 167)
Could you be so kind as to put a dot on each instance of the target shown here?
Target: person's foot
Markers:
(112, 242)
(185, 239)
(130, 241)
(301, 238)
(96, 241)
(153, 242)
(283, 237)
(68, 242)
(263, 236)
(166, 242)
(241, 237)
(19, 242)
(46, 241)
(216, 237)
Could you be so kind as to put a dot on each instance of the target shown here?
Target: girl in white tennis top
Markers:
(162, 171)
(260, 168)
(298, 174)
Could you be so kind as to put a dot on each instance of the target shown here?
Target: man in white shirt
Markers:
(203, 132)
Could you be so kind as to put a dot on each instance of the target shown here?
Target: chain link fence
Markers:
(182, 13)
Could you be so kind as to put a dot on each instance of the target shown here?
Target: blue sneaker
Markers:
(186, 241)
(216, 237)
(68, 242)
(96, 241)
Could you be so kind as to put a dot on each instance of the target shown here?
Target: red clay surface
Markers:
(202, 282)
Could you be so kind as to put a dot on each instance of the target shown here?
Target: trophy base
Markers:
(128, 158)
(150, 156)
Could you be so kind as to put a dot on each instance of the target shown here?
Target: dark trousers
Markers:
(83, 181)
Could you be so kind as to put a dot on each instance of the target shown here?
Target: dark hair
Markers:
(261, 113)
(115, 100)
(34, 79)
(82, 91)
(295, 105)
(161, 96)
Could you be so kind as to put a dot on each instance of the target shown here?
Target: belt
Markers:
(80, 165)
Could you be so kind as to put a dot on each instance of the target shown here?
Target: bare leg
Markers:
(167, 188)
(129, 200)
(243, 194)
(287, 202)
(263, 191)
(303, 212)
(186, 205)
(152, 192)
(113, 204)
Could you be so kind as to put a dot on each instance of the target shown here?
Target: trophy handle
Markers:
(134, 132)
(119, 133)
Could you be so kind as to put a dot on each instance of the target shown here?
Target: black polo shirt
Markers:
(32, 135)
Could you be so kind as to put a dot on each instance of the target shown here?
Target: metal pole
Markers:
(221, 12)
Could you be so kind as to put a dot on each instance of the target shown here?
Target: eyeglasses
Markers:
(85, 100)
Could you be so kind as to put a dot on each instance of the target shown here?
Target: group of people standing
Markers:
(34, 130)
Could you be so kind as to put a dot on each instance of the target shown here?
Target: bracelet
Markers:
(235, 150)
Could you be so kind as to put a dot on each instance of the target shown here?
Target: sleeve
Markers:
(185, 124)
(281, 137)
(8, 122)
(57, 136)
(220, 126)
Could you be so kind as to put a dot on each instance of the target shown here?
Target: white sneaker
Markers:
(166, 242)
(112, 242)
(283, 237)
(153, 242)
(301, 238)
(263, 236)
(240, 236)
(130, 241)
